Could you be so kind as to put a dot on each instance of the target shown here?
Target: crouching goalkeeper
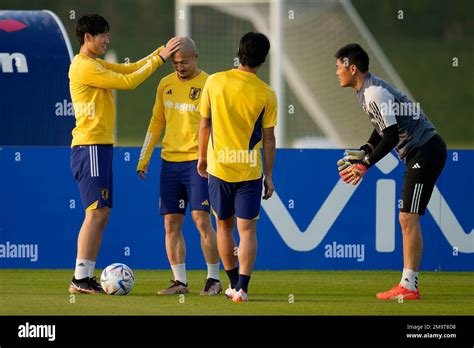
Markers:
(398, 124)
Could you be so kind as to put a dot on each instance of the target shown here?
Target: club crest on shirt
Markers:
(194, 93)
(104, 193)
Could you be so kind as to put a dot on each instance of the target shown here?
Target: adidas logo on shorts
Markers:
(416, 166)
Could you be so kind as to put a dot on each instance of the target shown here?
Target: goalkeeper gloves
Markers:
(353, 166)
(353, 173)
(350, 157)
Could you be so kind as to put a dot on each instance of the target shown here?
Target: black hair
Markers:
(93, 24)
(355, 55)
(253, 49)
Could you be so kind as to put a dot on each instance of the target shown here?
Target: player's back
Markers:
(238, 100)
(241, 104)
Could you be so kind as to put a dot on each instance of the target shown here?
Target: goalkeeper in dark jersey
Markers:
(398, 123)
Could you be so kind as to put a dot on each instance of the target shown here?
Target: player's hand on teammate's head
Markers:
(269, 187)
(202, 168)
(171, 47)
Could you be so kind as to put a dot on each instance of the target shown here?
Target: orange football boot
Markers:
(398, 292)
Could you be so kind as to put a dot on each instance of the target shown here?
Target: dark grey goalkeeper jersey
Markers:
(385, 105)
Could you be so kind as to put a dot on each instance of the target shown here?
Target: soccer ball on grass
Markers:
(117, 279)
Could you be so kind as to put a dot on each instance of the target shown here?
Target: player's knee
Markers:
(99, 216)
(203, 223)
(225, 225)
(172, 225)
(407, 221)
(403, 219)
(172, 230)
(248, 233)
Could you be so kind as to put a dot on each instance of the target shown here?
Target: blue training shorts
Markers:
(181, 184)
(91, 165)
(241, 199)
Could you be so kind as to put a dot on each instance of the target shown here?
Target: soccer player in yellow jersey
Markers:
(238, 114)
(175, 112)
(91, 84)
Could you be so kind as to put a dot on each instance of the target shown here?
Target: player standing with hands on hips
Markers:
(175, 111)
(91, 83)
(238, 114)
(400, 124)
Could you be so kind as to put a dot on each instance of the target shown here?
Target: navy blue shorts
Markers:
(241, 199)
(91, 165)
(181, 184)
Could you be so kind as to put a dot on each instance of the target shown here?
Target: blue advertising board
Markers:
(35, 104)
(314, 220)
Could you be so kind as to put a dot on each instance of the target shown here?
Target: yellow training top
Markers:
(239, 105)
(175, 110)
(91, 81)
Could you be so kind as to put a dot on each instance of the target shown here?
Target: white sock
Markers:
(82, 269)
(409, 279)
(213, 270)
(91, 268)
(179, 272)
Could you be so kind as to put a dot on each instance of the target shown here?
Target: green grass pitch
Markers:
(44, 292)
